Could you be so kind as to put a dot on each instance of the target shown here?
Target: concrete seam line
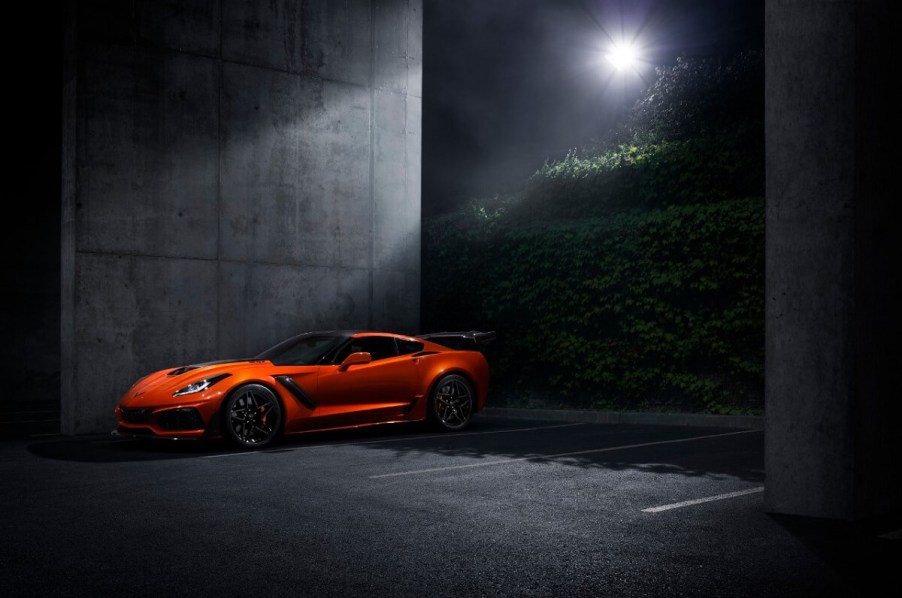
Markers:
(556, 455)
(698, 501)
(371, 263)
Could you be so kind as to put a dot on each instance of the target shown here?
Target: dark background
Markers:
(30, 240)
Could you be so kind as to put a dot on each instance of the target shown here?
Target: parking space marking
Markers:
(557, 455)
(698, 501)
(398, 439)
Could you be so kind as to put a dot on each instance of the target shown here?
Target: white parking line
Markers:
(698, 501)
(397, 439)
(555, 456)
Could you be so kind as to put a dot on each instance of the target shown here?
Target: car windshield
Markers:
(305, 349)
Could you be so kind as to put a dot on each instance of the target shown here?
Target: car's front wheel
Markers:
(252, 416)
(452, 403)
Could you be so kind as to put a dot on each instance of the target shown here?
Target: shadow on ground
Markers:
(649, 449)
(107, 449)
(94, 449)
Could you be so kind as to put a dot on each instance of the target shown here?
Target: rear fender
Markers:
(469, 364)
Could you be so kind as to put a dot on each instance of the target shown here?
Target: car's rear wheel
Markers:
(452, 403)
(252, 416)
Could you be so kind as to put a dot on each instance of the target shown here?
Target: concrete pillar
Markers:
(833, 273)
(234, 173)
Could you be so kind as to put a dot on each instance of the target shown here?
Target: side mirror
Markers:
(355, 359)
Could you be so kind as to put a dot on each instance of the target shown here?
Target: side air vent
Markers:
(297, 392)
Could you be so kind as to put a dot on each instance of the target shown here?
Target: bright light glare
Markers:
(623, 56)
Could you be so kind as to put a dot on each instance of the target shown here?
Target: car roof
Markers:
(354, 333)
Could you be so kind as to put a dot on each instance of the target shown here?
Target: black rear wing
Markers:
(461, 341)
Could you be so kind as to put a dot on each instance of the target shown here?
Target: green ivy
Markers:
(629, 276)
(634, 311)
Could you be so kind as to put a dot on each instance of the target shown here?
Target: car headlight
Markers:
(200, 385)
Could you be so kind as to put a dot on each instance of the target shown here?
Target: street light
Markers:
(624, 56)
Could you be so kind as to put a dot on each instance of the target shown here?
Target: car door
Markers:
(381, 390)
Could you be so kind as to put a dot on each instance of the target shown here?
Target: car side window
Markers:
(406, 347)
(380, 347)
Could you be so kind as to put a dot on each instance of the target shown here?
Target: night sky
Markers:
(508, 84)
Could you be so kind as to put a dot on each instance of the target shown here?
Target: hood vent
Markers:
(182, 370)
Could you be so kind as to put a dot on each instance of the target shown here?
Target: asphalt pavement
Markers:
(506, 508)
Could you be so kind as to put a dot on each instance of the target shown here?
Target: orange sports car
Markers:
(314, 381)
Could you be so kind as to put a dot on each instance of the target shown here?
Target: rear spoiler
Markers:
(462, 341)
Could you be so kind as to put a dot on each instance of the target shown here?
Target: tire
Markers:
(252, 416)
(452, 403)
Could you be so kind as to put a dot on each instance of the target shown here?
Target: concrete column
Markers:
(833, 274)
(234, 173)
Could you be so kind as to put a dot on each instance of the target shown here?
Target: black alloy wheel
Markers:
(452, 403)
(252, 416)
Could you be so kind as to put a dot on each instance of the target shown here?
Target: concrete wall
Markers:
(234, 172)
(833, 267)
